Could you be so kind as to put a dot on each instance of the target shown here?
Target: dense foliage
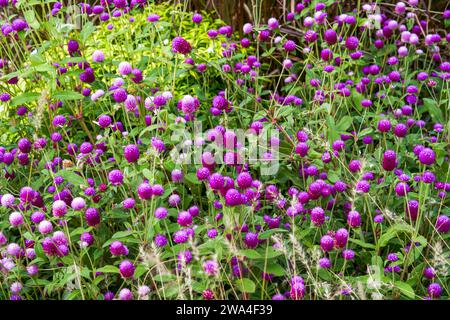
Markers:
(148, 152)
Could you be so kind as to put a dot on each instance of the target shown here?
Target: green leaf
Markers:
(122, 234)
(140, 270)
(108, 269)
(192, 178)
(72, 177)
(392, 232)
(405, 289)
(363, 244)
(268, 233)
(344, 123)
(31, 19)
(276, 269)
(246, 285)
(88, 29)
(24, 98)
(148, 174)
(67, 95)
(251, 254)
(432, 107)
(332, 130)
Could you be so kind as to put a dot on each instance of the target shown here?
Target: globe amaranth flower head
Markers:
(160, 240)
(427, 156)
(211, 267)
(354, 219)
(127, 269)
(131, 153)
(98, 56)
(117, 248)
(180, 45)
(92, 216)
(115, 177)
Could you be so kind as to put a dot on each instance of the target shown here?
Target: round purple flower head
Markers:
(197, 18)
(127, 269)
(251, 240)
(180, 45)
(354, 219)
(116, 177)
(427, 156)
(131, 153)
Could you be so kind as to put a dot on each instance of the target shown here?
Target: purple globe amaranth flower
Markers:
(7, 200)
(24, 145)
(427, 156)
(98, 56)
(129, 203)
(251, 240)
(127, 269)
(318, 216)
(177, 175)
(298, 289)
(16, 219)
(125, 294)
(384, 125)
(400, 130)
(27, 194)
(131, 153)
(37, 217)
(434, 290)
(211, 267)
(402, 188)
(174, 200)
(392, 257)
(78, 203)
(412, 209)
(86, 239)
(197, 18)
(310, 36)
(352, 43)
(442, 224)
(181, 236)
(429, 273)
(59, 208)
(389, 161)
(117, 248)
(216, 181)
(45, 227)
(161, 213)
(244, 180)
(362, 186)
(92, 216)
(120, 95)
(180, 45)
(289, 46)
(158, 144)
(327, 243)
(330, 37)
(145, 191)
(302, 149)
(115, 177)
(324, 263)
(341, 238)
(72, 46)
(354, 166)
(125, 68)
(104, 121)
(233, 197)
(354, 219)
(160, 240)
(348, 254)
(184, 218)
